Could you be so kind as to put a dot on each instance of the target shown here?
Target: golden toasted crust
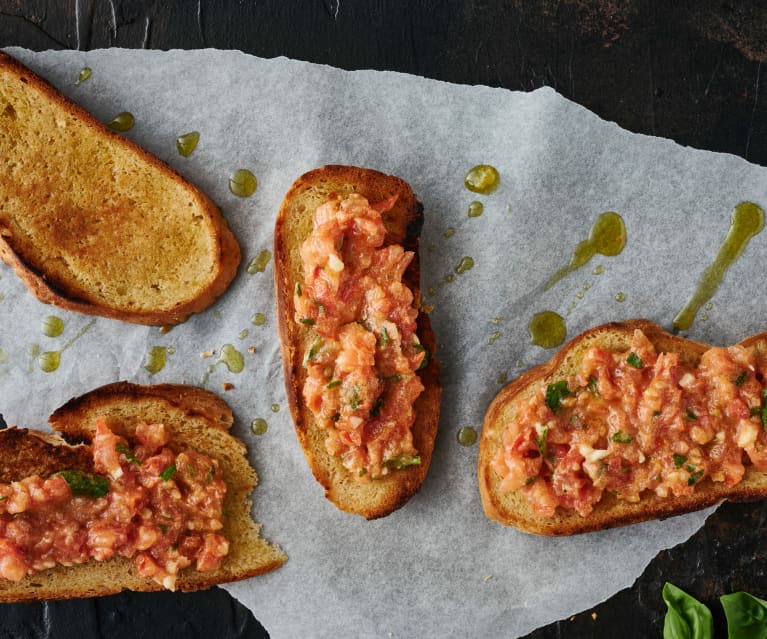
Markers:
(93, 223)
(403, 225)
(513, 509)
(196, 419)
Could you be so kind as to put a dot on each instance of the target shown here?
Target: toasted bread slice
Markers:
(93, 223)
(196, 419)
(403, 225)
(513, 509)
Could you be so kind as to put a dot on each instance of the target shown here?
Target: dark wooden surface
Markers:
(687, 70)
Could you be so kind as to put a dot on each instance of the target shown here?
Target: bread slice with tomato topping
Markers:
(194, 424)
(358, 354)
(626, 423)
(93, 223)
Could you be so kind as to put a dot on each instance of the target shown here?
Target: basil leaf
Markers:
(420, 348)
(168, 472)
(555, 393)
(541, 442)
(402, 461)
(128, 454)
(679, 460)
(740, 379)
(634, 360)
(308, 321)
(746, 616)
(593, 385)
(764, 408)
(622, 438)
(84, 484)
(686, 617)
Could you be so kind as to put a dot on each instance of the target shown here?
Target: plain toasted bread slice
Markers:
(196, 419)
(403, 224)
(92, 222)
(513, 509)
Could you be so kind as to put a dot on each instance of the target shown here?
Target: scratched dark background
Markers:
(689, 70)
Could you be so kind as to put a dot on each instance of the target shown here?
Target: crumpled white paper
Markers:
(437, 565)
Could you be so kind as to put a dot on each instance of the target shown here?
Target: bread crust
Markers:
(43, 273)
(403, 225)
(196, 419)
(512, 509)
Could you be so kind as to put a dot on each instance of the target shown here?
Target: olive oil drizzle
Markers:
(85, 73)
(49, 361)
(187, 143)
(243, 183)
(467, 436)
(607, 237)
(259, 263)
(259, 426)
(746, 220)
(122, 122)
(156, 359)
(483, 179)
(547, 329)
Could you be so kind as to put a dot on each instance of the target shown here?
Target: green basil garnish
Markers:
(402, 461)
(694, 476)
(355, 401)
(686, 617)
(764, 408)
(542, 443)
(385, 339)
(622, 438)
(740, 379)
(634, 360)
(420, 348)
(555, 393)
(313, 351)
(168, 472)
(335, 383)
(746, 616)
(308, 321)
(84, 484)
(299, 292)
(128, 454)
(593, 385)
(690, 416)
(375, 409)
(679, 460)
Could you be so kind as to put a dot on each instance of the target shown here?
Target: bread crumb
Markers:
(594, 616)
(487, 577)
(572, 618)
(251, 349)
(227, 386)
(206, 354)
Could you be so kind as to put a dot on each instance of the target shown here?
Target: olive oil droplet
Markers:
(275, 408)
(49, 361)
(53, 326)
(476, 209)
(598, 270)
(243, 333)
(494, 337)
(259, 426)
(187, 143)
(3, 356)
(746, 220)
(243, 183)
(467, 436)
(607, 237)
(231, 358)
(449, 232)
(547, 329)
(156, 359)
(259, 319)
(466, 264)
(123, 122)
(259, 263)
(502, 378)
(85, 73)
(483, 179)
(620, 296)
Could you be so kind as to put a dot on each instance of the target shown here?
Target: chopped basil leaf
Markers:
(168, 472)
(740, 379)
(690, 416)
(622, 438)
(655, 413)
(211, 474)
(746, 615)
(362, 472)
(420, 348)
(541, 441)
(163, 529)
(313, 351)
(402, 461)
(375, 410)
(385, 339)
(84, 484)
(694, 477)
(355, 401)
(593, 385)
(128, 454)
(555, 393)
(335, 383)
(686, 618)
(308, 321)
(764, 409)
(298, 289)
(530, 480)
(336, 417)
(634, 360)
(679, 460)
(320, 305)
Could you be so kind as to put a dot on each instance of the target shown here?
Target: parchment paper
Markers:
(437, 565)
